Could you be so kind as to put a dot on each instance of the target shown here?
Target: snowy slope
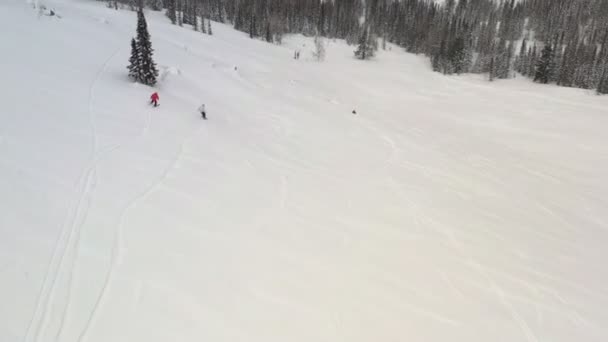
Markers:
(447, 209)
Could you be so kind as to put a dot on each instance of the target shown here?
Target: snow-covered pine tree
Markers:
(194, 13)
(209, 30)
(365, 50)
(459, 57)
(595, 72)
(171, 11)
(556, 62)
(180, 12)
(268, 33)
(544, 65)
(252, 27)
(502, 60)
(507, 60)
(147, 71)
(532, 60)
(186, 12)
(438, 57)
(188, 15)
(133, 66)
(602, 87)
(591, 79)
(521, 60)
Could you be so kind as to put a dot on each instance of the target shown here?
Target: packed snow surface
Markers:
(447, 209)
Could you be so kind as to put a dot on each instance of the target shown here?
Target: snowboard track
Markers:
(69, 237)
(118, 247)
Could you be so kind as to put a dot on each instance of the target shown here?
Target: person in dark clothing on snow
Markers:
(154, 99)
(201, 110)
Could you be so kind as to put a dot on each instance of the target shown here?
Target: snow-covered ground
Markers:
(447, 209)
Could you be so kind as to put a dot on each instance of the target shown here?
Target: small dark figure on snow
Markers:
(154, 99)
(354, 111)
(201, 110)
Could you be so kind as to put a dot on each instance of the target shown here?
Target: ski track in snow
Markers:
(98, 157)
(71, 229)
(119, 248)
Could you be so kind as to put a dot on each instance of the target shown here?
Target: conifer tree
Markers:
(268, 33)
(194, 14)
(602, 87)
(459, 57)
(180, 13)
(532, 60)
(556, 63)
(209, 30)
(195, 24)
(365, 50)
(252, 27)
(508, 58)
(544, 65)
(521, 61)
(437, 59)
(186, 18)
(146, 68)
(171, 11)
(133, 66)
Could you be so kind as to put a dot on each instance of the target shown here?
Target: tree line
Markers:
(550, 41)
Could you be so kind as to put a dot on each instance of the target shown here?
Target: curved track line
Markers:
(75, 247)
(68, 241)
(118, 247)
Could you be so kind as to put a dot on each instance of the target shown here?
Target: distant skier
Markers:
(354, 112)
(154, 99)
(201, 110)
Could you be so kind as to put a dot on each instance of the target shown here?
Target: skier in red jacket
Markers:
(154, 99)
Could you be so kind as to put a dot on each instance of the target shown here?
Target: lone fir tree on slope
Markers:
(142, 67)
(148, 71)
